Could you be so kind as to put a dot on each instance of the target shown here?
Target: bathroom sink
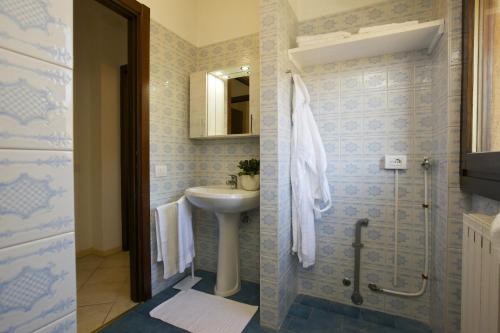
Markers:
(223, 199)
(227, 204)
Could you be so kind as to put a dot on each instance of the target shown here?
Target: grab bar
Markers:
(357, 245)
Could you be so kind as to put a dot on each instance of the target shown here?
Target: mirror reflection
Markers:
(220, 103)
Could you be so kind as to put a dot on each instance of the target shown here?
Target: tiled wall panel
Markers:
(35, 103)
(366, 108)
(170, 64)
(40, 29)
(36, 195)
(65, 324)
(278, 276)
(37, 284)
(194, 163)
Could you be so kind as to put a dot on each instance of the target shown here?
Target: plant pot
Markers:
(250, 183)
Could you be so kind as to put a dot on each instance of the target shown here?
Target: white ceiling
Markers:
(309, 9)
(203, 22)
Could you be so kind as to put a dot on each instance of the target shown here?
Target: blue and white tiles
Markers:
(37, 250)
(192, 163)
(41, 29)
(36, 195)
(35, 103)
(37, 283)
(65, 324)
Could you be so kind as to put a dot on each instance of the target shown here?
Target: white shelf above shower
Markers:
(408, 38)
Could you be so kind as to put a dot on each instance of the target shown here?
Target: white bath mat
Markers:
(199, 312)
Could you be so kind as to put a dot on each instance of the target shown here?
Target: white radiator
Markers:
(480, 277)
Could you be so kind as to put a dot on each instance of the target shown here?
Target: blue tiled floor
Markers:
(307, 315)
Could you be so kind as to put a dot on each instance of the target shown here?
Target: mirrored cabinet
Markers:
(224, 103)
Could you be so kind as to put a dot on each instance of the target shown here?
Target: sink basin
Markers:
(223, 199)
(227, 204)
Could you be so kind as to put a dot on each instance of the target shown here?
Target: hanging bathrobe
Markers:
(310, 190)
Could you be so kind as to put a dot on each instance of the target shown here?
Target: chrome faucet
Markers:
(233, 181)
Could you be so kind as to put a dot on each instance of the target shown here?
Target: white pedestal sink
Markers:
(227, 204)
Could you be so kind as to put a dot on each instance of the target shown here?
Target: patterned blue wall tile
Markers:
(36, 195)
(372, 113)
(35, 104)
(38, 283)
(66, 324)
(42, 29)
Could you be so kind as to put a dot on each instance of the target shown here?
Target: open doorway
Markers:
(111, 153)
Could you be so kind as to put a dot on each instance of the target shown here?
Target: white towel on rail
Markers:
(308, 175)
(185, 231)
(174, 236)
(166, 238)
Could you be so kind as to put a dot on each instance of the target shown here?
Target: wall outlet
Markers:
(393, 162)
(160, 170)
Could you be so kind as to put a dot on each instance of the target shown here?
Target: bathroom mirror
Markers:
(222, 103)
(480, 132)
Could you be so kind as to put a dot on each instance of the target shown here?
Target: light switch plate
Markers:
(395, 162)
(160, 170)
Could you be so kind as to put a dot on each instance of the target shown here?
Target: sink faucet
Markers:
(233, 181)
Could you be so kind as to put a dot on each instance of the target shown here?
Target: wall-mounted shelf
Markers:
(407, 38)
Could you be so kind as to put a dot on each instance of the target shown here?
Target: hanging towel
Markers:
(166, 238)
(185, 232)
(174, 236)
(495, 231)
(308, 166)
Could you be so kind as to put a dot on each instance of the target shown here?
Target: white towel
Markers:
(166, 238)
(495, 231)
(385, 27)
(185, 232)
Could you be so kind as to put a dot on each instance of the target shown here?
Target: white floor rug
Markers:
(199, 312)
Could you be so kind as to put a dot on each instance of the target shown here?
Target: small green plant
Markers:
(249, 167)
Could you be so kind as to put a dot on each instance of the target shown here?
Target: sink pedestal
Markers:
(228, 261)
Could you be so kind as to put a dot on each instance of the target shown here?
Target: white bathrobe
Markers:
(308, 175)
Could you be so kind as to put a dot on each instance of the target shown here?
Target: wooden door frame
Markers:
(138, 17)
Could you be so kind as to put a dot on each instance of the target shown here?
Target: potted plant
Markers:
(249, 174)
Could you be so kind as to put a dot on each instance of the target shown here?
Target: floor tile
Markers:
(120, 259)
(99, 293)
(92, 317)
(89, 262)
(82, 276)
(119, 308)
(110, 275)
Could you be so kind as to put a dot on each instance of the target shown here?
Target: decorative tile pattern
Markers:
(63, 325)
(37, 284)
(192, 163)
(171, 63)
(39, 28)
(278, 275)
(36, 198)
(35, 104)
(367, 108)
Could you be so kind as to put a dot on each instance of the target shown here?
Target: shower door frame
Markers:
(137, 170)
